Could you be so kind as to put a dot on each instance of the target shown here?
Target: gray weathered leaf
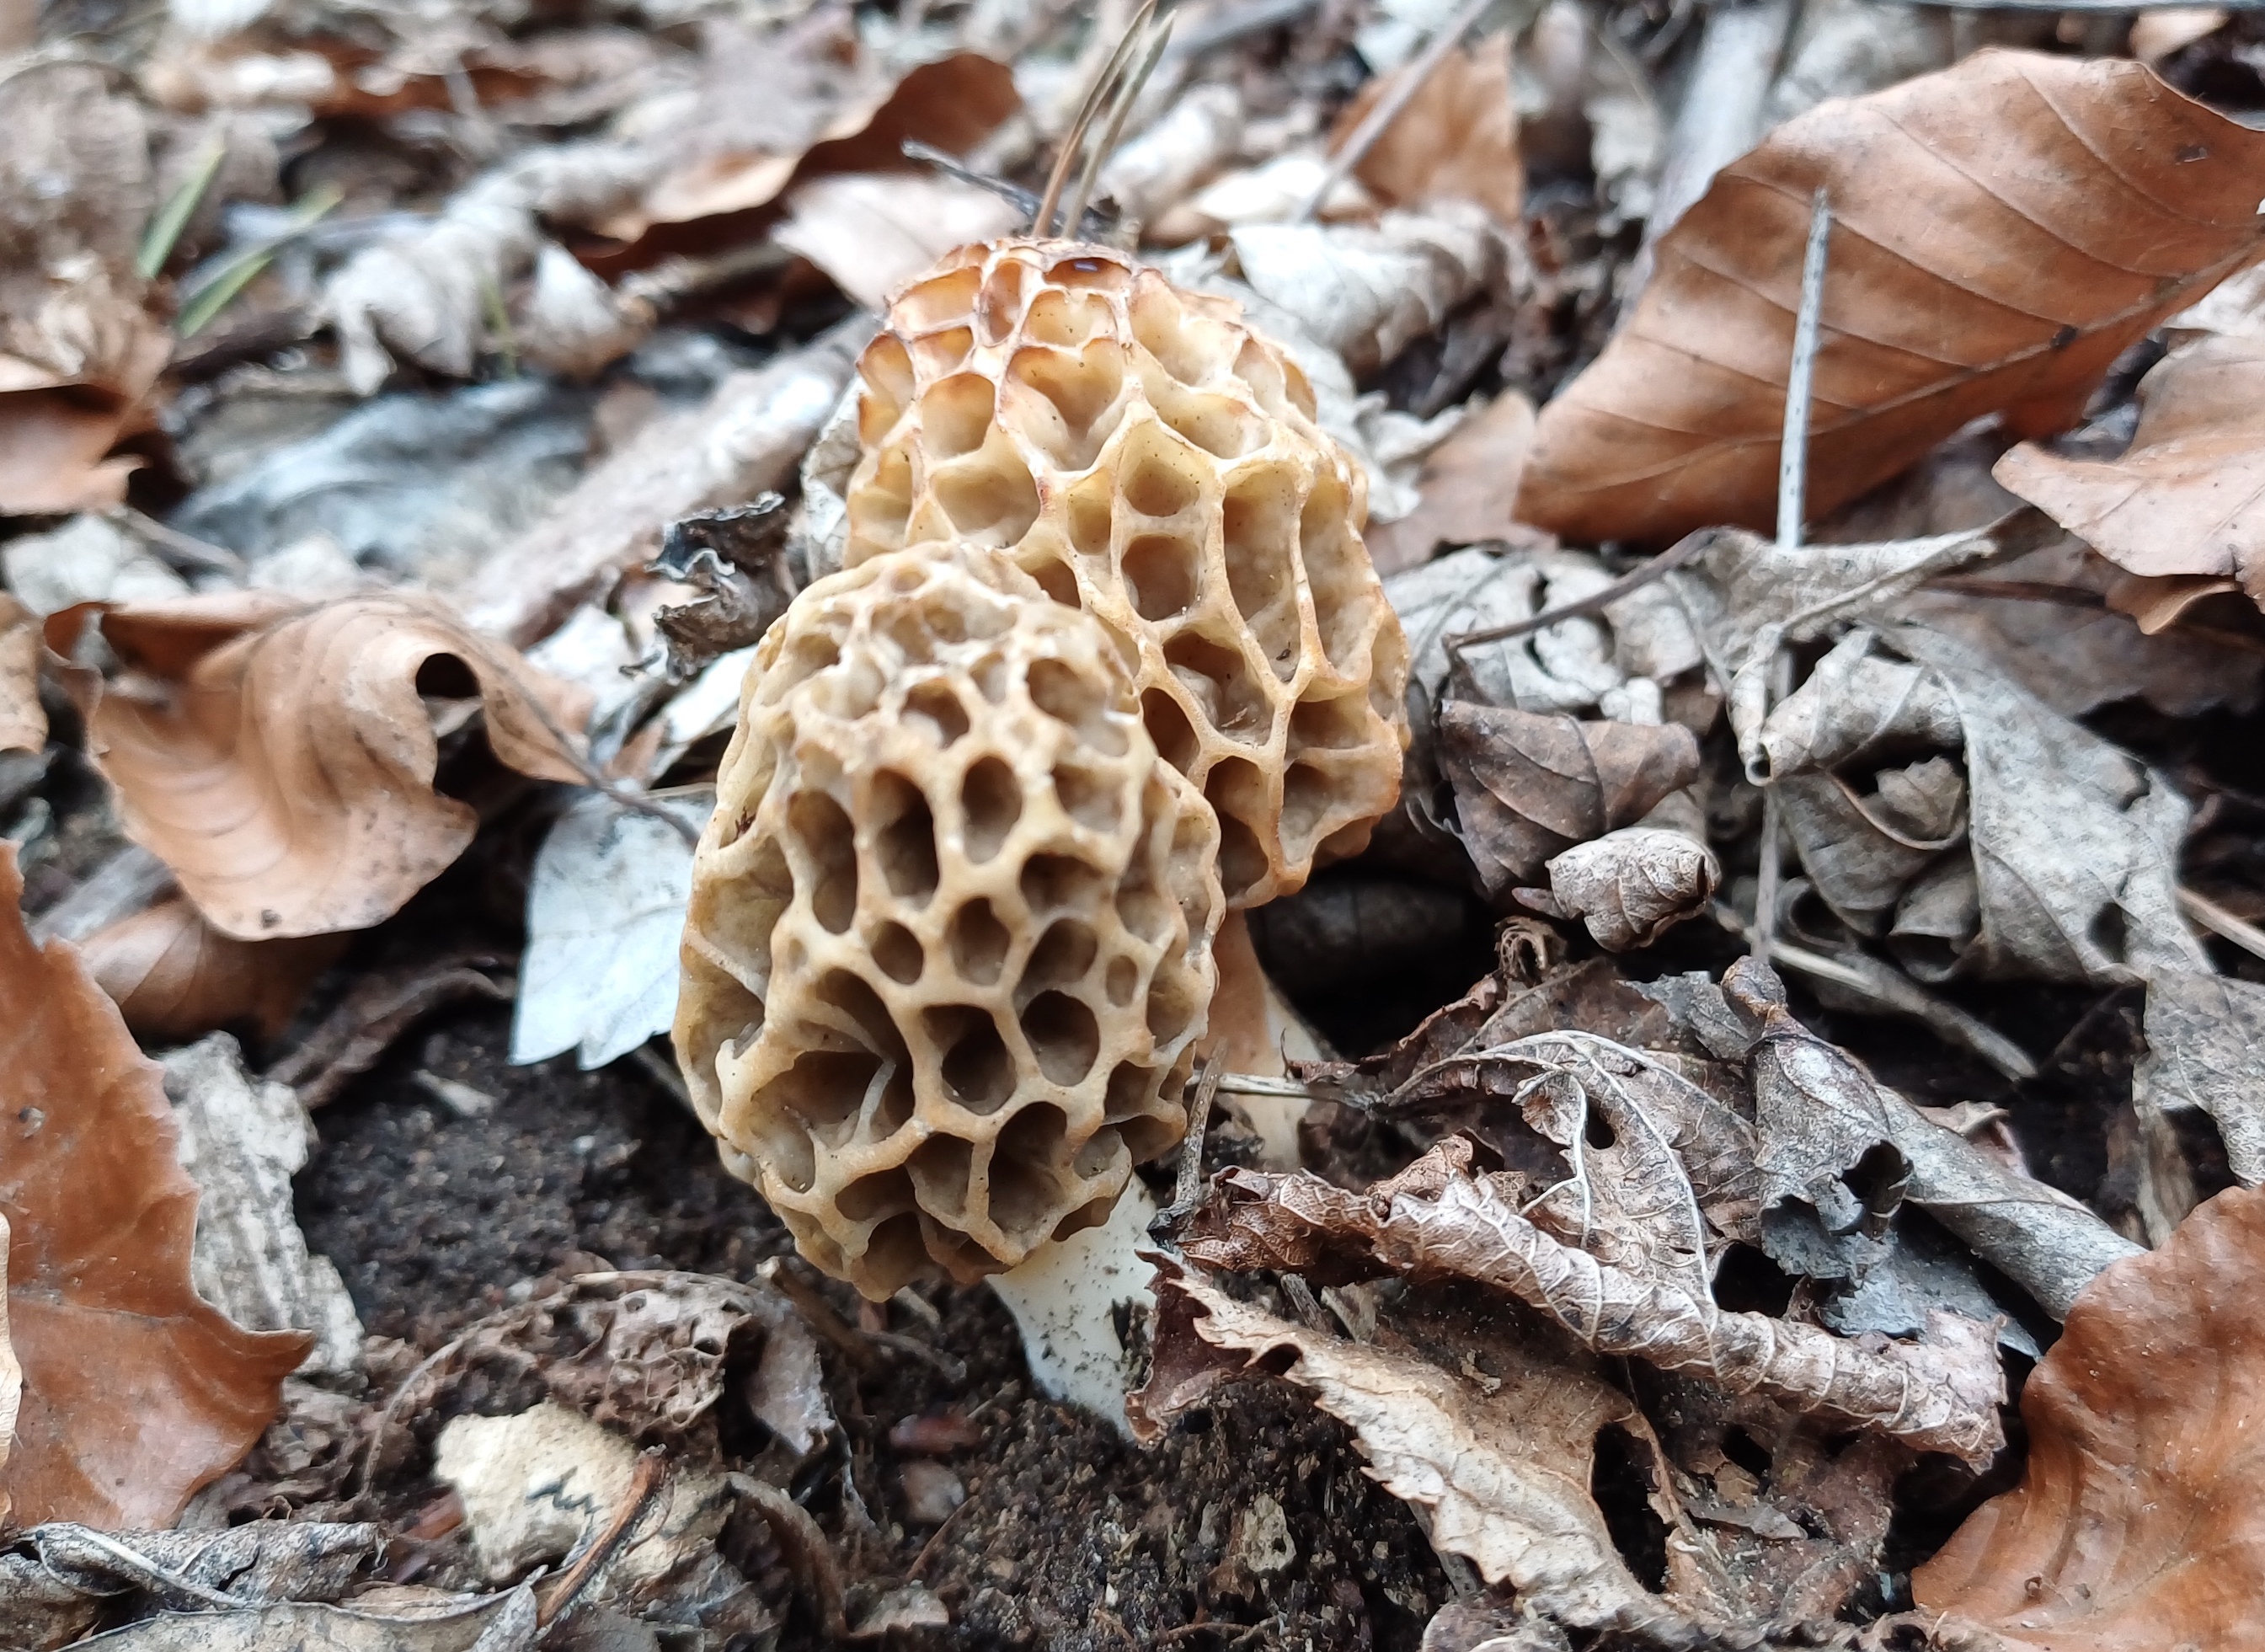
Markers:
(2206, 1050)
(605, 910)
(1631, 886)
(484, 1623)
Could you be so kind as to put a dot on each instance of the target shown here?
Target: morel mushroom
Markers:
(1145, 456)
(950, 926)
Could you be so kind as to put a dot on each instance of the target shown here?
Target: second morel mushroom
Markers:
(950, 937)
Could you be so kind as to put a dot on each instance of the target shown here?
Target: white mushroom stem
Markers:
(1066, 1298)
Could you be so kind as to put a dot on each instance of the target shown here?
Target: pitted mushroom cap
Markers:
(1147, 457)
(950, 934)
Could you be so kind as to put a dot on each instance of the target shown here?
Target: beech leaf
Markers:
(2002, 231)
(1467, 491)
(174, 976)
(2139, 1526)
(1529, 786)
(135, 1390)
(280, 757)
(1457, 140)
(2184, 497)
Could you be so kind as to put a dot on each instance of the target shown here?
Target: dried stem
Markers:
(1159, 34)
(1388, 107)
(1073, 140)
(1792, 497)
(2222, 923)
(1688, 549)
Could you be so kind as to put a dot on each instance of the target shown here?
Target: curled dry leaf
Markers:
(1530, 786)
(1468, 488)
(2185, 498)
(174, 976)
(1979, 267)
(874, 231)
(1440, 1218)
(1457, 140)
(279, 757)
(2064, 866)
(1504, 1470)
(2139, 1526)
(1364, 290)
(1632, 886)
(1819, 1115)
(2206, 1052)
(135, 1390)
(23, 721)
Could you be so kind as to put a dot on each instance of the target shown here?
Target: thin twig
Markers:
(2220, 922)
(1187, 1192)
(1388, 107)
(1686, 549)
(1792, 503)
(644, 1482)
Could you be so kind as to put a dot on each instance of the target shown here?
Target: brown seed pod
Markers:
(1145, 456)
(950, 926)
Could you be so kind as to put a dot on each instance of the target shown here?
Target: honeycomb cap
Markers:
(950, 934)
(1145, 456)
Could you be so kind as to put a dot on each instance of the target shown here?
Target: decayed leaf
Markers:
(605, 913)
(1819, 1116)
(242, 1141)
(2184, 497)
(23, 721)
(1529, 786)
(2139, 1527)
(874, 231)
(1646, 1295)
(1632, 886)
(136, 1391)
(1505, 1470)
(77, 350)
(2065, 868)
(2206, 1050)
(1468, 489)
(172, 975)
(1457, 141)
(278, 756)
(1364, 290)
(2004, 229)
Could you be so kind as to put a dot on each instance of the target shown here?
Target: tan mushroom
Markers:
(1144, 456)
(950, 936)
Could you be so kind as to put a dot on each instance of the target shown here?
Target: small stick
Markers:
(2220, 922)
(1389, 106)
(1128, 93)
(1187, 1192)
(1687, 548)
(1792, 496)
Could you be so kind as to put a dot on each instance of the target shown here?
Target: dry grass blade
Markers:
(281, 758)
(2139, 1527)
(135, 1390)
(1989, 256)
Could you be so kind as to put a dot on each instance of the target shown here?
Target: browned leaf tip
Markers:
(280, 757)
(2183, 498)
(2140, 1526)
(2001, 231)
(136, 1391)
(1456, 141)
(174, 976)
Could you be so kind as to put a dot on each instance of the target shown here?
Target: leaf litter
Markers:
(1800, 1008)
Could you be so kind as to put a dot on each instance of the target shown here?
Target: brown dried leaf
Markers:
(279, 758)
(173, 975)
(1458, 139)
(1630, 887)
(1468, 487)
(1439, 1218)
(1991, 257)
(136, 1391)
(23, 721)
(1528, 787)
(2139, 1527)
(1504, 1471)
(2184, 498)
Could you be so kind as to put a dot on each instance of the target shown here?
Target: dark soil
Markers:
(1069, 1538)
